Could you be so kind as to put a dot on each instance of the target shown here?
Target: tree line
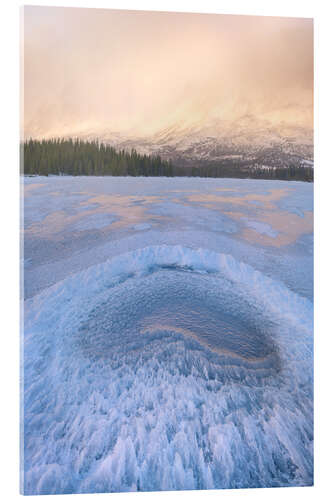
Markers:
(249, 171)
(78, 157)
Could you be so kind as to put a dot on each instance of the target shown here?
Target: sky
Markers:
(136, 73)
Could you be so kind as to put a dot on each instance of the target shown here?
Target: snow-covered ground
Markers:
(167, 334)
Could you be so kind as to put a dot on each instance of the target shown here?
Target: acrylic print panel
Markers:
(167, 251)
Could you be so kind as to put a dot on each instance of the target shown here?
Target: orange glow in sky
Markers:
(138, 72)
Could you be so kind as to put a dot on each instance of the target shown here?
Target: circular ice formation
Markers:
(205, 311)
(167, 368)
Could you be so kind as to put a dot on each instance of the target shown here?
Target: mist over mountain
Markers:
(244, 141)
(193, 88)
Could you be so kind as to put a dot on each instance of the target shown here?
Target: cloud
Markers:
(137, 72)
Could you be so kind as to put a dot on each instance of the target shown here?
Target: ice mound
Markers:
(176, 303)
(127, 388)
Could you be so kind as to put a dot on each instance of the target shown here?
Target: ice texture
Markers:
(166, 357)
(260, 227)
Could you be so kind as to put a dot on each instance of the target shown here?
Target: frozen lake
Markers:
(173, 320)
(73, 223)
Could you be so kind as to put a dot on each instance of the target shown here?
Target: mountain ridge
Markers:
(244, 141)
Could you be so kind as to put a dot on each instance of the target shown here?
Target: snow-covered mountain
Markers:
(243, 140)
